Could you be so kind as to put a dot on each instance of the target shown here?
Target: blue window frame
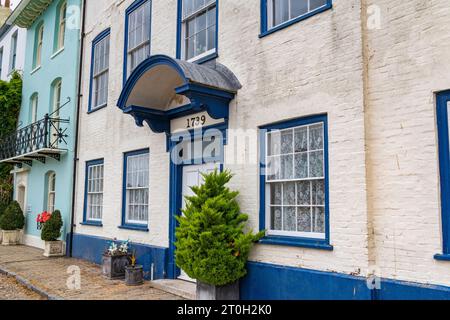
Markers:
(137, 35)
(197, 30)
(93, 193)
(135, 194)
(443, 104)
(99, 77)
(279, 14)
(294, 206)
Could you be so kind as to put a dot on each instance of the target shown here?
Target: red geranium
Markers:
(43, 217)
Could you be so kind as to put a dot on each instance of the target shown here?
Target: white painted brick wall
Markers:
(315, 66)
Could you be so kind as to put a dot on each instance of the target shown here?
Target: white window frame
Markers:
(96, 76)
(51, 192)
(39, 43)
(145, 43)
(100, 167)
(13, 54)
(61, 26)
(34, 107)
(184, 21)
(268, 205)
(270, 12)
(129, 189)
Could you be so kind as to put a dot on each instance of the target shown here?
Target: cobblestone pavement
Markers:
(51, 275)
(10, 289)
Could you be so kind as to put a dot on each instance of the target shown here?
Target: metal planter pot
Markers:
(134, 275)
(113, 267)
(209, 292)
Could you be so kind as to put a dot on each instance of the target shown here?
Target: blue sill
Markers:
(96, 109)
(297, 242)
(442, 257)
(135, 227)
(291, 22)
(92, 223)
(209, 57)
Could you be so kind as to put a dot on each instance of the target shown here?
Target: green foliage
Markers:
(52, 228)
(211, 245)
(12, 218)
(10, 101)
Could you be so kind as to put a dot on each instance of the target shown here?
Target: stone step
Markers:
(181, 288)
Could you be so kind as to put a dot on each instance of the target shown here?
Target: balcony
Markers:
(43, 139)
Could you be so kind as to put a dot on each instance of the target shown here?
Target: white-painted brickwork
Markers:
(313, 67)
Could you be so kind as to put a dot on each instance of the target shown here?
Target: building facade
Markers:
(12, 46)
(332, 115)
(42, 149)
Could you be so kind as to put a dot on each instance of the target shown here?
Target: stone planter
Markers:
(134, 275)
(54, 249)
(114, 267)
(209, 292)
(10, 238)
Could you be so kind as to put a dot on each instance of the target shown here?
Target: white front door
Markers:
(192, 176)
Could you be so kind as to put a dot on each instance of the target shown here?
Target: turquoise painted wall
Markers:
(63, 65)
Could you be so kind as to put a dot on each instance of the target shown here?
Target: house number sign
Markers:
(193, 121)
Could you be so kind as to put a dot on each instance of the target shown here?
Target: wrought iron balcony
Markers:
(43, 139)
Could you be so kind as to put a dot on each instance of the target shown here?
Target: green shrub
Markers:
(12, 218)
(211, 245)
(52, 228)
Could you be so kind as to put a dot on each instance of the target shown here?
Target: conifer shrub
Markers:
(52, 228)
(212, 245)
(12, 218)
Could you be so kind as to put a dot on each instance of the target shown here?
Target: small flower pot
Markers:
(134, 275)
(113, 267)
(10, 237)
(54, 249)
(210, 292)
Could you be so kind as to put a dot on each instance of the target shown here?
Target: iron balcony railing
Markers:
(45, 135)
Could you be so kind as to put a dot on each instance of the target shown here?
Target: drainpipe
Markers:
(77, 124)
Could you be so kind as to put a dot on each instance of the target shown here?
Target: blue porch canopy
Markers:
(162, 88)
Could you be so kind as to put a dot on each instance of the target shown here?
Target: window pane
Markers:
(316, 164)
(280, 11)
(303, 192)
(211, 38)
(318, 192)
(276, 218)
(287, 167)
(301, 139)
(274, 168)
(200, 42)
(211, 19)
(314, 4)
(316, 137)
(319, 220)
(298, 8)
(200, 22)
(286, 142)
(275, 193)
(289, 194)
(301, 165)
(274, 139)
(289, 219)
(304, 219)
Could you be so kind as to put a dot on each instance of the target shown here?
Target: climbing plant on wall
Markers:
(10, 101)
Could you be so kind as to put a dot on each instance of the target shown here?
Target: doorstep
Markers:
(180, 288)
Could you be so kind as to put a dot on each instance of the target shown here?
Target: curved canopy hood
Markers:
(27, 12)
(162, 88)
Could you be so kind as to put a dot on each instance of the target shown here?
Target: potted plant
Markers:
(134, 273)
(211, 244)
(115, 259)
(51, 231)
(3, 206)
(11, 223)
(41, 219)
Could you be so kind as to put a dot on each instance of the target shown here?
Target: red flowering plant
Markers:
(42, 218)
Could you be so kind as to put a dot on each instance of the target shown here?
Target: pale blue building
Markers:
(42, 149)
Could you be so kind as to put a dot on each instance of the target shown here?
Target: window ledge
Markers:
(442, 257)
(92, 223)
(35, 70)
(57, 53)
(97, 108)
(293, 21)
(209, 57)
(134, 227)
(297, 242)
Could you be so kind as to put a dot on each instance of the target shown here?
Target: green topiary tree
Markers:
(52, 228)
(211, 245)
(12, 218)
